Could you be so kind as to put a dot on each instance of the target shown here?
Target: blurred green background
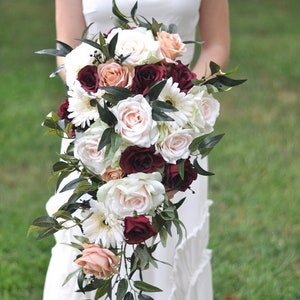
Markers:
(255, 228)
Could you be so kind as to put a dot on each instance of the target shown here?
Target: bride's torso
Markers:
(184, 14)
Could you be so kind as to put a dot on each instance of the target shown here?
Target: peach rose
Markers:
(113, 74)
(112, 174)
(171, 45)
(98, 261)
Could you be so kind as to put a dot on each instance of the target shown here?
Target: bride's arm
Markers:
(70, 23)
(215, 33)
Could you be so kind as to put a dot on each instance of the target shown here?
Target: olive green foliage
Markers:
(255, 224)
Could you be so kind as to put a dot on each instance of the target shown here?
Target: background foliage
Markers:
(255, 224)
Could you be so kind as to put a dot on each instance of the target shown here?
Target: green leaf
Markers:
(133, 11)
(163, 106)
(118, 93)
(146, 287)
(179, 203)
(129, 296)
(214, 68)
(116, 11)
(208, 143)
(156, 89)
(64, 215)
(158, 115)
(59, 166)
(180, 166)
(105, 138)
(91, 43)
(106, 115)
(80, 281)
(145, 297)
(49, 231)
(112, 45)
(196, 142)
(45, 222)
(199, 169)
(72, 184)
(122, 289)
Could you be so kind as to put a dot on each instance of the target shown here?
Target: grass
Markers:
(255, 224)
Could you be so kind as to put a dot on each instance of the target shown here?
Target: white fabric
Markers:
(190, 276)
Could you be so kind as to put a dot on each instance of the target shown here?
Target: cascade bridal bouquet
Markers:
(137, 119)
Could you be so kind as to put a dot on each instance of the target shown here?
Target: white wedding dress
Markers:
(190, 277)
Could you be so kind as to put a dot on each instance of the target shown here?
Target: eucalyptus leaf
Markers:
(112, 46)
(52, 52)
(64, 47)
(63, 214)
(72, 184)
(80, 281)
(45, 222)
(163, 106)
(105, 138)
(91, 43)
(47, 232)
(180, 166)
(158, 115)
(144, 297)
(208, 143)
(133, 11)
(156, 89)
(129, 296)
(214, 68)
(106, 115)
(122, 289)
(200, 170)
(103, 288)
(57, 70)
(146, 287)
(116, 11)
(59, 166)
(119, 93)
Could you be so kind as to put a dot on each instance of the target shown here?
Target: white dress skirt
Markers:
(189, 277)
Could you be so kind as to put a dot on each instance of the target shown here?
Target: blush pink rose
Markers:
(97, 261)
(113, 74)
(112, 174)
(171, 45)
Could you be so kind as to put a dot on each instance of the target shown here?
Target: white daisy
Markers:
(182, 101)
(102, 227)
(82, 110)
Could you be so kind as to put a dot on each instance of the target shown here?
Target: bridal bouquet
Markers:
(137, 119)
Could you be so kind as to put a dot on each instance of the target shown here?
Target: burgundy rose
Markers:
(135, 159)
(63, 113)
(173, 180)
(89, 78)
(138, 229)
(145, 76)
(183, 75)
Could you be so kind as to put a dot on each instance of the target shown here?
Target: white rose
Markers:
(175, 145)
(139, 44)
(76, 60)
(207, 110)
(135, 123)
(139, 192)
(86, 149)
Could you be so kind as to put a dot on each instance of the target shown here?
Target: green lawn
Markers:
(255, 226)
